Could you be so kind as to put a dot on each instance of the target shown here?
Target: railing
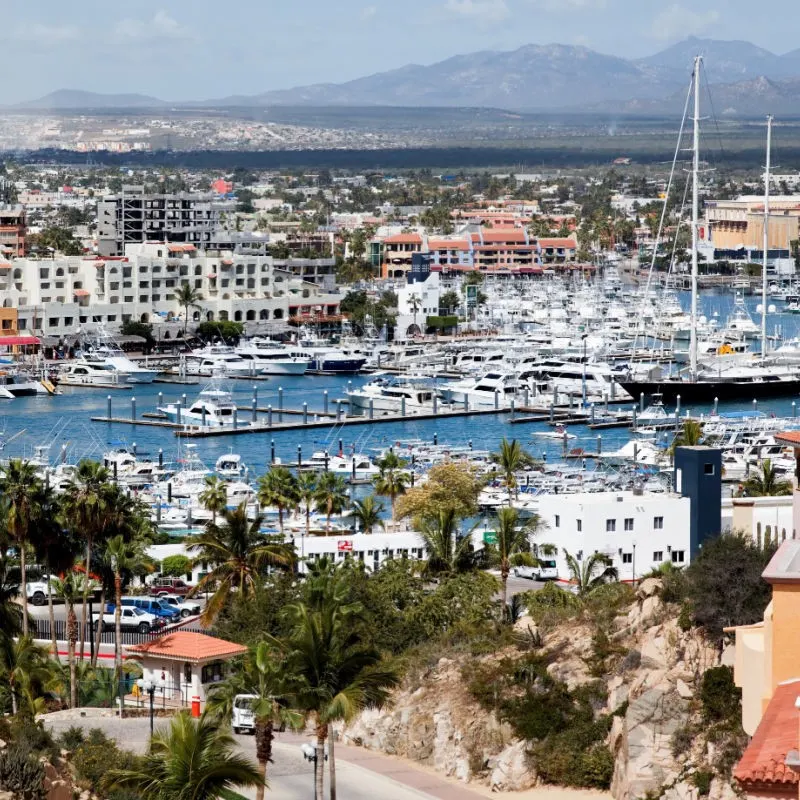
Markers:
(43, 632)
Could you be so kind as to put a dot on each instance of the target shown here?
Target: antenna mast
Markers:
(766, 243)
(695, 215)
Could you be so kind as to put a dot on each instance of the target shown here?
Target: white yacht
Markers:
(214, 358)
(500, 387)
(17, 383)
(325, 358)
(109, 354)
(230, 467)
(90, 373)
(270, 358)
(214, 407)
(355, 466)
(567, 377)
(392, 393)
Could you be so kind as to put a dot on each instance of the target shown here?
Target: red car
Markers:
(169, 586)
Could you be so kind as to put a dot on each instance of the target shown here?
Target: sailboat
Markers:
(735, 382)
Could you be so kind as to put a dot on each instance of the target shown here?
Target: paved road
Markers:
(290, 776)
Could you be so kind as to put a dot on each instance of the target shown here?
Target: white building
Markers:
(55, 296)
(638, 531)
(416, 301)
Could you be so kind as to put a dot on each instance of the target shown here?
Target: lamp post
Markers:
(150, 688)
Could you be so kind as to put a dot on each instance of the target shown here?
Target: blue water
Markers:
(65, 419)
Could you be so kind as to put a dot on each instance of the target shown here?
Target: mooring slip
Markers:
(79, 385)
(331, 421)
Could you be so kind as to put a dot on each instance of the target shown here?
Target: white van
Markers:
(243, 718)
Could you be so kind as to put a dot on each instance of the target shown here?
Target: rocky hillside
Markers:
(658, 720)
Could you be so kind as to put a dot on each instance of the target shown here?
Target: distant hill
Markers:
(747, 79)
(65, 99)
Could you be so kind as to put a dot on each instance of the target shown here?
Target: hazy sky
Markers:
(199, 49)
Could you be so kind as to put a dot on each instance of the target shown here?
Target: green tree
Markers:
(22, 492)
(84, 507)
(239, 554)
(510, 459)
(25, 670)
(447, 552)
(215, 496)
(187, 297)
(591, 572)
(221, 329)
(449, 301)
(263, 677)
(450, 485)
(391, 480)
(70, 589)
(690, 435)
(191, 760)
(331, 496)
(368, 513)
(278, 488)
(725, 587)
(337, 671)
(176, 566)
(306, 495)
(766, 483)
(144, 329)
(511, 538)
(11, 611)
(55, 239)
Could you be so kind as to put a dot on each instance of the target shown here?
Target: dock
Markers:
(183, 430)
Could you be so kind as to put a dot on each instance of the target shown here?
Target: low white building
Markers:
(637, 531)
(416, 301)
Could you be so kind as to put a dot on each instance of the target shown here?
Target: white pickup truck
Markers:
(187, 608)
(36, 591)
(133, 619)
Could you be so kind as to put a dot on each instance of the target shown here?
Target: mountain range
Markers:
(747, 79)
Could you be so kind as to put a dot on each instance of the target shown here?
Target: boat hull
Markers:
(342, 366)
(708, 392)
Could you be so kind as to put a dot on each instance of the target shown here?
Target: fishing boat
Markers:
(385, 392)
(213, 407)
(559, 433)
(270, 358)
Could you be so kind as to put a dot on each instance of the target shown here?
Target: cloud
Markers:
(567, 6)
(482, 10)
(368, 12)
(677, 22)
(160, 26)
(47, 34)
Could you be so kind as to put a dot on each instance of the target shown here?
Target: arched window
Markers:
(251, 315)
(278, 313)
(264, 314)
(210, 316)
(144, 318)
(237, 317)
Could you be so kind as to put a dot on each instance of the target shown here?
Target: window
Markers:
(677, 556)
(611, 525)
(628, 523)
(658, 556)
(627, 558)
(557, 521)
(658, 523)
(708, 469)
(579, 525)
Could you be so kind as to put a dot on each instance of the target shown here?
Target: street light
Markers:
(150, 688)
(309, 752)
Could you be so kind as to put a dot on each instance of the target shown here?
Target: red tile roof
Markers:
(403, 238)
(188, 646)
(506, 235)
(448, 244)
(791, 438)
(764, 760)
(570, 243)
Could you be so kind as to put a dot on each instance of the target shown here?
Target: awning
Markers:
(5, 265)
(81, 293)
(15, 341)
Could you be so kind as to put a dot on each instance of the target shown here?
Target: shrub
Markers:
(21, 773)
(632, 660)
(176, 566)
(681, 741)
(551, 605)
(702, 780)
(603, 651)
(97, 755)
(71, 738)
(720, 698)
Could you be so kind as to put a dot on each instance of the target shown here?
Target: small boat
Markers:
(559, 433)
(230, 467)
(213, 408)
(90, 373)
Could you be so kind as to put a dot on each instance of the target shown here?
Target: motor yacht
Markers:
(270, 358)
(214, 407)
(218, 358)
(490, 388)
(390, 393)
(90, 373)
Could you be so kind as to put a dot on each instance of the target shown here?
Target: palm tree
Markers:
(391, 481)
(263, 677)
(690, 435)
(191, 759)
(446, 552)
(336, 671)
(25, 669)
(511, 538)
(278, 488)
(21, 488)
(70, 588)
(368, 513)
(306, 494)
(766, 483)
(511, 457)
(215, 496)
(331, 496)
(187, 297)
(591, 572)
(84, 506)
(11, 611)
(415, 303)
(122, 557)
(238, 554)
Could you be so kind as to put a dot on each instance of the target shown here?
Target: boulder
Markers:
(510, 771)
(649, 587)
(684, 690)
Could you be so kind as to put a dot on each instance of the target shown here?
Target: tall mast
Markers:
(695, 215)
(766, 242)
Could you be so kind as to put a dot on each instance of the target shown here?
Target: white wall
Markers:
(579, 523)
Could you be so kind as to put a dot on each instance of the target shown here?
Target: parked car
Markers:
(132, 619)
(152, 605)
(169, 586)
(36, 591)
(187, 608)
(523, 571)
(243, 718)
